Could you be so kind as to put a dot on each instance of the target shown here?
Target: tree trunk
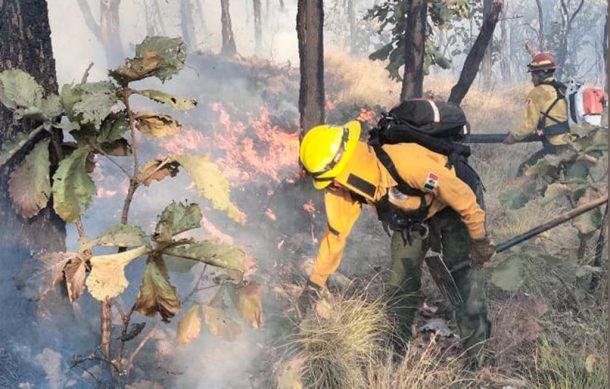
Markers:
(540, 27)
(475, 56)
(25, 39)
(562, 52)
(189, 31)
(110, 31)
(505, 67)
(415, 40)
(487, 66)
(605, 48)
(258, 29)
(351, 16)
(310, 22)
(228, 41)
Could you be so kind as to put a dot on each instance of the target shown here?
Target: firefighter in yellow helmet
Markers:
(545, 111)
(351, 175)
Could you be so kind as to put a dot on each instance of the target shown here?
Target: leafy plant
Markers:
(100, 119)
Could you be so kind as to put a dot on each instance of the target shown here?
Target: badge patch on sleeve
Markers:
(431, 182)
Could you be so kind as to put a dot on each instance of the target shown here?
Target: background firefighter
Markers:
(350, 173)
(545, 112)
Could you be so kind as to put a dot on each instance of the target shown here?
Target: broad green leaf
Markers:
(519, 192)
(555, 191)
(72, 186)
(19, 90)
(121, 235)
(29, 185)
(154, 171)
(70, 95)
(189, 325)
(578, 169)
(549, 166)
(210, 183)
(220, 324)
(176, 102)
(213, 253)
(156, 293)
(113, 127)
(43, 273)
(107, 277)
(590, 221)
(178, 265)
(156, 125)
(175, 219)
(157, 56)
(507, 274)
(95, 102)
(49, 109)
(12, 146)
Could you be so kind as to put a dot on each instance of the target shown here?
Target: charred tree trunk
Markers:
(474, 57)
(310, 22)
(258, 29)
(540, 26)
(25, 44)
(487, 66)
(228, 41)
(415, 40)
(567, 19)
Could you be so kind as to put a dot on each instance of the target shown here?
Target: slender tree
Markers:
(415, 39)
(310, 22)
(258, 29)
(487, 65)
(475, 56)
(228, 41)
(108, 30)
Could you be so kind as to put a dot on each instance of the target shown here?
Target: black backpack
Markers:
(437, 126)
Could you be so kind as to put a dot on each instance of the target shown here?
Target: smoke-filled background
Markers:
(247, 121)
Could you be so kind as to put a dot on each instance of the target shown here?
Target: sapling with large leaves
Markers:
(102, 122)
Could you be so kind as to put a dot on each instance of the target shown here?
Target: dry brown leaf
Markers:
(156, 293)
(157, 125)
(323, 309)
(250, 305)
(107, 278)
(220, 324)
(189, 325)
(74, 275)
(151, 171)
(29, 184)
(590, 363)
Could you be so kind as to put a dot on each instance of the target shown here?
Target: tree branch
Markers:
(89, 20)
(143, 342)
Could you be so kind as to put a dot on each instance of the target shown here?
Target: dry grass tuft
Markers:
(337, 342)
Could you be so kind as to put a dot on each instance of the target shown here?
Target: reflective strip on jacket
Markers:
(420, 168)
(539, 100)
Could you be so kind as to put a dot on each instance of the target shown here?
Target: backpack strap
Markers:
(560, 127)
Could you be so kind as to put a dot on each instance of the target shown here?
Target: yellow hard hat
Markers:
(325, 150)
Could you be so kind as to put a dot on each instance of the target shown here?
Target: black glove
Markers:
(481, 251)
(308, 296)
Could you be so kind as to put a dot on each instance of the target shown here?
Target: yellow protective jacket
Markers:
(539, 100)
(366, 176)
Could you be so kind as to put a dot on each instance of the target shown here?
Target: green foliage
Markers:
(19, 90)
(12, 146)
(113, 128)
(392, 15)
(121, 235)
(156, 56)
(29, 185)
(95, 101)
(213, 253)
(176, 102)
(72, 186)
(175, 219)
(210, 183)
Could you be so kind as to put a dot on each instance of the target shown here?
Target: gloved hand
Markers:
(481, 251)
(509, 140)
(310, 293)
